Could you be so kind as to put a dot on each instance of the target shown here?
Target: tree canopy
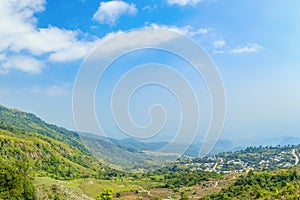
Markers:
(16, 180)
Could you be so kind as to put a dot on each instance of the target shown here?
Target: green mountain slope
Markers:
(24, 134)
(27, 122)
(279, 184)
(54, 151)
(118, 156)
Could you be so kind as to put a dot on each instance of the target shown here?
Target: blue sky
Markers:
(254, 43)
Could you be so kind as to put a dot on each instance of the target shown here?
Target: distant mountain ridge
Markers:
(283, 140)
(135, 145)
(222, 145)
(69, 154)
(118, 156)
(25, 134)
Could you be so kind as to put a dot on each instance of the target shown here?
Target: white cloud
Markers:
(141, 37)
(53, 90)
(249, 48)
(187, 30)
(173, 28)
(136, 38)
(219, 46)
(21, 38)
(24, 63)
(201, 31)
(109, 12)
(75, 51)
(150, 8)
(183, 2)
(219, 43)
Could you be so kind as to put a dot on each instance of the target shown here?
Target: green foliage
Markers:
(19, 122)
(16, 180)
(186, 179)
(184, 196)
(177, 177)
(12, 119)
(107, 194)
(55, 152)
(262, 185)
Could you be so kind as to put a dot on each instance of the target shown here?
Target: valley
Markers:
(149, 100)
(60, 166)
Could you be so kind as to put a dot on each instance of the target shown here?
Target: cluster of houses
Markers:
(243, 162)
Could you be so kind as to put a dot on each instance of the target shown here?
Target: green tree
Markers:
(16, 180)
(107, 194)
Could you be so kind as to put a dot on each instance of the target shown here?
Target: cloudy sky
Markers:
(254, 43)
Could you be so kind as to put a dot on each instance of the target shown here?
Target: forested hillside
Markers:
(53, 151)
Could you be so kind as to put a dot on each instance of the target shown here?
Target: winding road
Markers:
(296, 156)
(215, 166)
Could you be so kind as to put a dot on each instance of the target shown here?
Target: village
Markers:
(243, 161)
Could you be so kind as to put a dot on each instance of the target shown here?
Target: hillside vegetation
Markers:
(43, 161)
(54, 152)
(281, 184)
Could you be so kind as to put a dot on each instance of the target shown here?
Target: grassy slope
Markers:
(89, 187)
(14, 121)
(50, 157)
(11, 119)
(54, 151)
